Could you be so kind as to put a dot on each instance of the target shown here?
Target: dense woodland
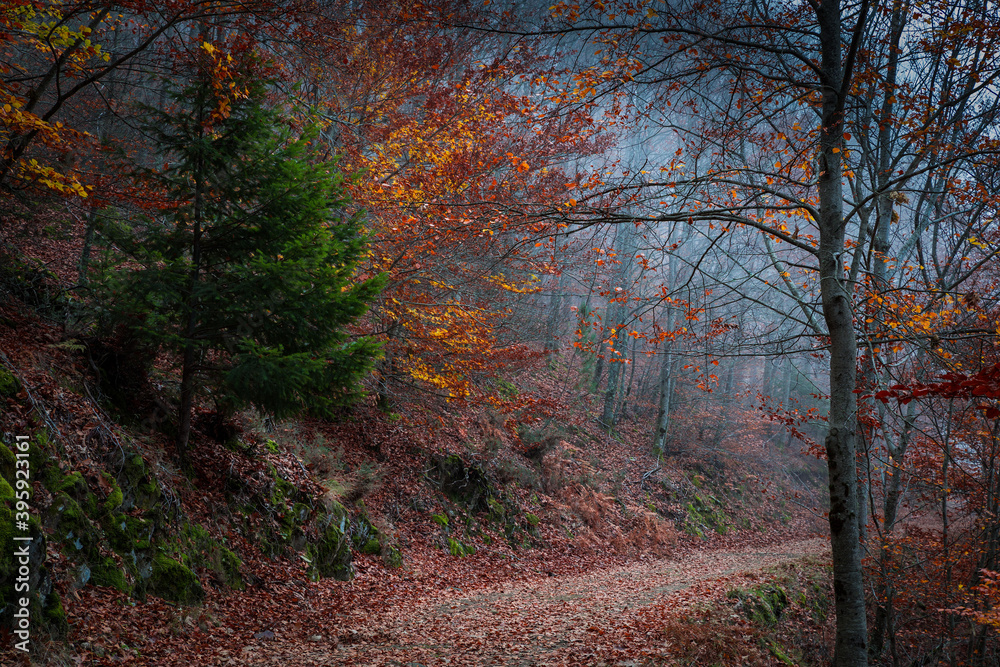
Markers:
(378, 298)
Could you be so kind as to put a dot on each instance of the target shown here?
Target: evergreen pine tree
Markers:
(248, 276)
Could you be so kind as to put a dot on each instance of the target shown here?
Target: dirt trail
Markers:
(580, 619)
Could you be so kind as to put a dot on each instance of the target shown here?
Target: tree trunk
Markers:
(666, 391)
(190, 357)
(552, 329)
(884, 587)
(851, 645)
(611, 393)
(83, 267)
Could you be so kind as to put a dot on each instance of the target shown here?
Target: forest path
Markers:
(611, 616)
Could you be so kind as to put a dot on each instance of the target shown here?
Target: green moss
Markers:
(9, 384)
(283, 489)
(174, 582)
(299, 514)
(704, 513)
(115, 497)
(271, 446)
(115, 528)
(198, 549)
(7, 538)
(532, 519)
(71, 483)
(392, 556)
(497, 512)
(72, 527)
(139, 488)
(228, 568)
(107, 573)
(778, 651)
(440, 519)
(763, 604)
(330, 555)
(366, 537)
(6, 492)
(8, 463)
(127, 533)
(456, 548)
(55, 616)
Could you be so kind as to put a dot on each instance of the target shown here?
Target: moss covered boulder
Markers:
(763, 604)
(202, 551)
(330, 555)
(106, 572)
(138, 485)
(72, 527)
(172, 581)
(25, 564)
(456, 548)
(9, 384)
(8, 463)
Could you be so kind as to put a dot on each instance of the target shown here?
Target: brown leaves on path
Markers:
(611, 616)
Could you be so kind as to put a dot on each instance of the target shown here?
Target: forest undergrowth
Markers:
(438, 503)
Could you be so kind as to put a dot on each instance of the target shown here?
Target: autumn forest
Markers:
(637, 332)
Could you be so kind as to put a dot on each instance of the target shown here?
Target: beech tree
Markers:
(249, 275)
(768, 101)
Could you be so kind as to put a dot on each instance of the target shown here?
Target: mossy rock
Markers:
(115, 496)
(6, 491)
(440, 519)
(497, 510)
(8, 463)
(9, 384)
(392, 556)
(72, 527)
(456, 548)
(365, 536)
(73, 485)
(763, 604)
(464, 483)
(55, 616)
(127, 533)
(282, 489)
(330, 555)
(106, 572)
(292, 524)
(779, 652)
(201, 550)
(226, 566)
(173, 581)
(703, 514)
(139, 487)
